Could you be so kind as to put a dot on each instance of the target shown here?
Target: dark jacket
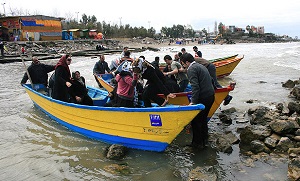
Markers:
(155, 63)
(199, 53)
(100, 67)
(79, 89)
(60, 90)
(38, 73)
(200, 81)
(157, 79)
(156, 84)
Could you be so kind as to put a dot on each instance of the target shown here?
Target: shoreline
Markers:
(45, 50)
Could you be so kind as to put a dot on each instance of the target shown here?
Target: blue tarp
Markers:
(30, 23)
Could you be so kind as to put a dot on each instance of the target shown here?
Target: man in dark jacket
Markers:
(198, 53)
(202, 92)
(155, 63)
(100, 67)
(38, 72)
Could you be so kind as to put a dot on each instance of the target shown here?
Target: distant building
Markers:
(231, 29)
(35, 28)
(239, 30)
(258, 30)
(261, 30)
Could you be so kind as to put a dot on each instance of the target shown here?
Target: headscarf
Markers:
(126, 66)
(80, 80)
(63, 62)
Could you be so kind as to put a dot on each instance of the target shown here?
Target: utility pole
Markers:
(149, 24)
(3, 8)
(77, 16)
(120, 21)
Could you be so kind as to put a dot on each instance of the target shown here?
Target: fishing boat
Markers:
(104, 80)
(225, 67)
(223, 58)
(162, 65)
(182, 98)
(150, 129)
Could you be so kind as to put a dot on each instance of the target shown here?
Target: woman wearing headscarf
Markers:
(62, 79)
(126, 84)
(156, 82)
(78, 91)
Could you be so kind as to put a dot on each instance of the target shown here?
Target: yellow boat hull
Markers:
(141, 128)
(220, 94)
(183, 97)
(224, 68)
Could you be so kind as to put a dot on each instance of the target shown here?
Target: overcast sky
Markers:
(281, 18)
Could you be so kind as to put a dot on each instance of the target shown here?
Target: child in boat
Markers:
(126, 85)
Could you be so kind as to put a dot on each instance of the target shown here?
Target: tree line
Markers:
(127, 31)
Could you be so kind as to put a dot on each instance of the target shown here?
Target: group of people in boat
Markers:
(62, 85)
(130, 89)
(175, 77)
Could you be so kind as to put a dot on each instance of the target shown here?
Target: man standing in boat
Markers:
(178, 71)
(38, 72)
(202, 92)
(100, 67)
(198, 53)
(125, 49)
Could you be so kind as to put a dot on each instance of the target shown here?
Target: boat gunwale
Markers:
(173, 108)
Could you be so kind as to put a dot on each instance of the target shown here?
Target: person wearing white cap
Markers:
(126, 83)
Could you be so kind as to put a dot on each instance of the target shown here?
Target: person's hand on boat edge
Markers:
(167, 99)
(171, 96)
(68, 84)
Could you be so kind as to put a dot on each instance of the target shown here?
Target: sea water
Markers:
(33, 147)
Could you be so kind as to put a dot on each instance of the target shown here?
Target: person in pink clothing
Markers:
(126, 83)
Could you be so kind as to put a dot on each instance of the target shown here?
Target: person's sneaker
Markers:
(227, 100)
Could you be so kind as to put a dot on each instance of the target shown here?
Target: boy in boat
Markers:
(155, 63)
(198, 53)
(178, 71)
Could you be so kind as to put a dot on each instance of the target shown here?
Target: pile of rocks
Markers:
(267, 132)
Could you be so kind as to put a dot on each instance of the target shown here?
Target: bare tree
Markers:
(69, 16)
(18, 12)
(55, 13)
